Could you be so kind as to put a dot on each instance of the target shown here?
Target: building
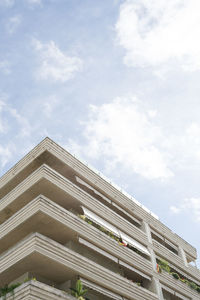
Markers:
(60, 220)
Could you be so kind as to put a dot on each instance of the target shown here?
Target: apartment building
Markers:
(61, 221)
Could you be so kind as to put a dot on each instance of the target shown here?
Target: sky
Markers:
(115, 82)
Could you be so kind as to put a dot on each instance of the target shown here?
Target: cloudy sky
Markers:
(115, 82)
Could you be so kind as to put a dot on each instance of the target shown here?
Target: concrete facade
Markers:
(61, 221)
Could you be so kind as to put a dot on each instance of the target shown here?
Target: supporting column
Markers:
(157, 288)
(145, 227)
(181, 253)
(153, 259)
(155, 284)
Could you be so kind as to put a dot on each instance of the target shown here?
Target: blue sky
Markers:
(116, 83)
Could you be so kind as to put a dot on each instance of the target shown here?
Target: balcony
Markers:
(176, 260)
(177, 281)
(37, 290)
(49, 183)
(57, 263)
(164, 242)
(178, 286)
(46, 217)
(168, 255)
(65, 164)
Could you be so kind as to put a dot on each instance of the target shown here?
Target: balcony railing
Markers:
(163, 265)
(115, 237)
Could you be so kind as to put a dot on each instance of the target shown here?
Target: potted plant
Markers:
(79, 291)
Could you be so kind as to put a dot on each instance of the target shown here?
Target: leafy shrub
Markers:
(8, 289)
(79, 291)
(183, 280)
(138, 283)
(198, 289)
(164, 265)
(192, 285)
(175, 275)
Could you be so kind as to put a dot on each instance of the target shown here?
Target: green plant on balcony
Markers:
(135, 282)
(8, 289)
(163, 264)
(110, 234)
(183, 280)
(103, 229)
(192, 285)
(134, 249)
(138, 283)
(79, 292)
(175, 275)
(99, 227)
(198, 289)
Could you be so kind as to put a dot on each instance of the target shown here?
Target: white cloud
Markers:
(55, 64)
(156, 33)
(34, 1)
(50, 105)
(6, 151)
(191, 206)
(5, 155)
(13, 23)
(5, 67)
(12, 123)
(3, 128)
(190, 142)
(25, 127)
(7, 112)
(175, 209)
(8, 3)
(123, 133)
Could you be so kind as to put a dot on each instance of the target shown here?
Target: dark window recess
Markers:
(164, 242)
(107, 202)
